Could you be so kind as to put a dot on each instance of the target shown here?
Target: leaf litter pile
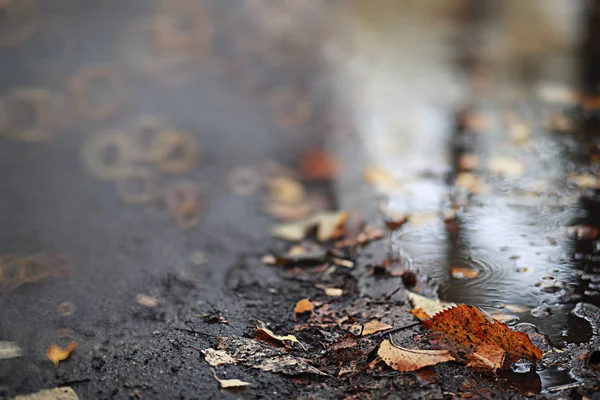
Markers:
(338, 334)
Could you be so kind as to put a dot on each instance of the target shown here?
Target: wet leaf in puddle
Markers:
(467, 326)
(369, 328)
(464, 273)
(487, 357)
(265, 334)
(329, 226)
(303, 306)
(57, 354)
(59, 393)
(250, 353)
(405, 360)
(229, 383)
(509, 167)
(428, 306)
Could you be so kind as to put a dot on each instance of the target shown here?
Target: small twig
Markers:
(398, 329)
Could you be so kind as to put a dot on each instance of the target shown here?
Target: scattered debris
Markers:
(10, 350)
(56, 354)
(59, 393)
(229, 383)
(250, 353)
(267, 335)
(145, 300)
(369, 328)
(331, 292)
(405, 360)
(508, 167)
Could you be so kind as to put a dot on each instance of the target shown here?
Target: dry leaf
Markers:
(464, 273)
(469, 181)
(584, 180)
(428, 306)
(57, 354)
(468, 327)
(286, 190)
(381, 178)
(59, 393)
(229, 383)
(405, 360)
(250, 353)
(328, 226)
(469, 161)
(145, 300)
(334, 292)
(369, 328)
(319, 165)
(303, 306)
(267, 335)
(10, 350)
(487, 357)
(506, 166)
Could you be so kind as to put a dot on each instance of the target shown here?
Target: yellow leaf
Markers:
(267, 335)
(334, 292)
(229, 383)
(328, 227)
(57, 354)
(428, 306)
(405, 360)
(381, 178)
(59, 393)
(369, 328)
(419, 313)
(286, 190)
(303, 306)
(506, 166)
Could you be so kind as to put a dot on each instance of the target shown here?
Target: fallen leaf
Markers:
(287, 212)
(487, 357)
(303, 306)
(380, 178)
(519, 132)
(464, 273)
(469, 161)
(502, 317)
(469, 181)
(428, 306)
(250, 353)
(506, 166)
(145, 300)
(405, 360)
(265, 334)
(59, 393)
(334, 292)
(467, 326)
(229, 383)
(584, 180)
(57, 354)
(328, 226)
(369, 328)
(319, 165)
(286, 191)
(420, 218)
(10, 350)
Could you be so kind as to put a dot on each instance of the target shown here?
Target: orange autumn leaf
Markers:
(464, 273)
(487, 357)
(319, 165)
(467, 326)
(405, 360)
(57, 354)
(303, 306)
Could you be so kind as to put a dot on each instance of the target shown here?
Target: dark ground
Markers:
(50, 203)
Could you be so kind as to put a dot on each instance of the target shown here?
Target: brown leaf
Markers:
(303, 306)
(369, 328)
(57, 354)
(319, 165)
(420, 314)
(405, 360)
(265, 334)
(487, 357)
(469, 327)
(329, 226)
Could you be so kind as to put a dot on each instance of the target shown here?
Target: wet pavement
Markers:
(497, 177)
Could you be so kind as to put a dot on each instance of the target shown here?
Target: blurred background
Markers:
(140, 138)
